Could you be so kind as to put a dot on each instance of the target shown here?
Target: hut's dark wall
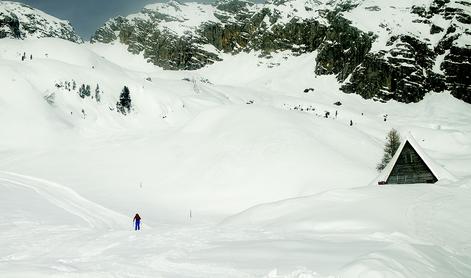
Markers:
(410, 168)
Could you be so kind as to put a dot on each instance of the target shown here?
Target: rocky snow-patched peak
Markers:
(380, 49)
(186, 18)
(21, 21)
(420, 46)
(188, 35)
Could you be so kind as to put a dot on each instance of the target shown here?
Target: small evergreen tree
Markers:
(88, 91)
(82, 91)
(124, 104)
(74, 85)
(393, 141)
(97, 93)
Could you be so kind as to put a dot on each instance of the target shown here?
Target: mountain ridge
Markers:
(379, 50)
(383, 60)
(20, 21)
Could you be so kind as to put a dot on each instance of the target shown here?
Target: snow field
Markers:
(235, 145)
(364, 232)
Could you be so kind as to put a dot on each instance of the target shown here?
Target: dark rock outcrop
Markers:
(19, 21)
(343, 49)
(400, 74)
(407, 71)
(9, 26)
(161, 47)
(457, 68)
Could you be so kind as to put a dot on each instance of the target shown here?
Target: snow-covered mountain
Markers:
(91, 134)
(378, 49)
(21, 21)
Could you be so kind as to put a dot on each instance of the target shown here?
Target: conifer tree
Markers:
(82, 91)
(97, 93)
(393, 141)
(124, 103)
(88, 91)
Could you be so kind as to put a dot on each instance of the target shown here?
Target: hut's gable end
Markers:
(410, 168)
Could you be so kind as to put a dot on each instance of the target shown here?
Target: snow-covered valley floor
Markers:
(275, 189)
(413, 231)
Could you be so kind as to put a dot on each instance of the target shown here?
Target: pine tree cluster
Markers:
(83, 91)
(123, 105)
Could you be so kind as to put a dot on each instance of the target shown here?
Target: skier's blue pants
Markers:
(138, 225)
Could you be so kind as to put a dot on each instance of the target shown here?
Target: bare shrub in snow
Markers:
(50, 98)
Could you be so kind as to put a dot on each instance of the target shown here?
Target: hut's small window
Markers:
(408, 158)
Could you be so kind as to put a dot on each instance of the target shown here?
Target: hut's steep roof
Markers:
(439, 172)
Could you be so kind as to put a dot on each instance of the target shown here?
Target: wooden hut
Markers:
(411, 164)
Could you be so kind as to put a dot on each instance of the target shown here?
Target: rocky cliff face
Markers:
(431, 54)
(378, 49)
(20, 21)
(189, 35)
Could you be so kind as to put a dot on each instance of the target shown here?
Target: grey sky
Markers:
(87, 15)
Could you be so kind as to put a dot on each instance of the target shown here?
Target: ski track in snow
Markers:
(95, 215)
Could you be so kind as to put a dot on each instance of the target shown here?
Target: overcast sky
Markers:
(87, 15)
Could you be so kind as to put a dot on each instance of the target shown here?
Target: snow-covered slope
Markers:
(215, 142)
(21, 21)
(182, 122)
(391, 231)
(34, 198)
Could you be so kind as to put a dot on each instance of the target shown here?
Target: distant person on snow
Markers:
(137, 222)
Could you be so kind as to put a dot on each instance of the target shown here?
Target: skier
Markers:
(351, 122)
(137, 222)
